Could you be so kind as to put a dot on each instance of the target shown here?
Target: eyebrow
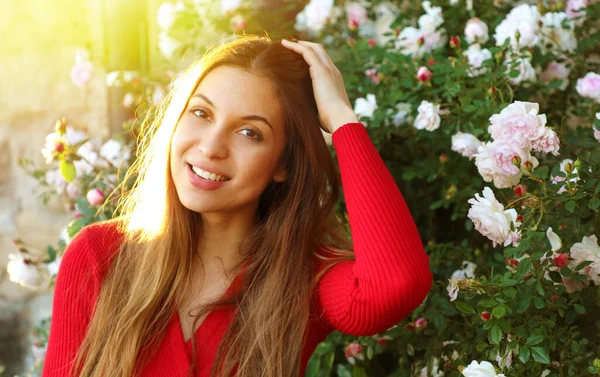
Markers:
(246, 117)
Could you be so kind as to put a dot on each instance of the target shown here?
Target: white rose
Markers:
(554, 33)
(167, 45)
(314, 16)
(403, 114)
(229, 6)
(554, 239)
(365, 107)
(54, 266)
(429, 116)
(386, 14)
(128, 100)
(165, 16)
(587, 250)
(476, 56)
(491, 219)
(73, 136)
(453, 288)
(23, 272)
(434, 39)
(408, 42)
(114, 152)
(466, 144)
(523, 65)
(485, 369)
(467, 271)
(50, 150)
(435, 370)
(476, 31)
(524, 19)
(55, 179)
(432, 19)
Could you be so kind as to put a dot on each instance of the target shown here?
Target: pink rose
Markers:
(518, 123)
(476, 31)
(576, 9)
(424, 74)
(546, 142)
(372, 74)
(95, 197)
(81, 73)
(556, 71)
(589, 86)
(597, 135)
(357, 15)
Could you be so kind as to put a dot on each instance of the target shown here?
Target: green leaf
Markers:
(542, 172)
(344, 370)
(538, 302)
(524, 354)
(67, 170)
(496, 334)
(540, 354)
(524, 303)
(539, 288)
(359, 372)
(489, 303)
(534, 339)
(312, 369)
(594, 203)
(579, 309)
(463, 307)
(498, 311)
(570, 206)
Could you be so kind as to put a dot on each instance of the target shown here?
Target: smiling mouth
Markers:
(208, 175)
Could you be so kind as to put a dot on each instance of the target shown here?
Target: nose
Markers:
(214, 143)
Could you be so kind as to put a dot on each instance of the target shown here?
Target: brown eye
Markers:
(252, 134)
(199, 113)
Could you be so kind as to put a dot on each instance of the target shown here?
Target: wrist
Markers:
(341, 120)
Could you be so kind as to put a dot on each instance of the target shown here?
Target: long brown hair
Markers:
(153, 265)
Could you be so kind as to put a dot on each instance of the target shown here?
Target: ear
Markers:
(280, 175)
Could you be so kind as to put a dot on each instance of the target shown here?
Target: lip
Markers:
(209, 169)
(201, 183)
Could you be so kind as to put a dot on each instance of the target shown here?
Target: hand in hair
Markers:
(332, 100)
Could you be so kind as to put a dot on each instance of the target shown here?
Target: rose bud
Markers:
(353, 349)
(421, 41)
(95, 197)
(424, 74)
(561, 260)
(421, 323)
(486, 316)
(520, 189)
(454, 41)
(77, 215)
(520, 218)
(492, 90)
(511, 262)
(528, 166)
(554, 297)
(410, 326)
(516, 160)
(372, 42)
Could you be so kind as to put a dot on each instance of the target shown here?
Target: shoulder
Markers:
(94, 246)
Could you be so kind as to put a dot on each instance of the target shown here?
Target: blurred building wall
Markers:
(37, 51)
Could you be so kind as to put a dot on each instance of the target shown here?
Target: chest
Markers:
(197, 295)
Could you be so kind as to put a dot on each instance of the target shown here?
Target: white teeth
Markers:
(208, 175)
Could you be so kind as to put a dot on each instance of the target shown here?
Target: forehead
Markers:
(237, 91)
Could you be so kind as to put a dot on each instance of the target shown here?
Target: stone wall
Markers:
(39, 40)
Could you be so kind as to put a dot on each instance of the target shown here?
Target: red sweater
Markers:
(389, 278)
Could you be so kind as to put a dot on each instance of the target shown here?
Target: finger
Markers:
(321, 52)
(310, 56)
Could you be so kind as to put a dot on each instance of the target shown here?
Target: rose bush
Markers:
(487, 114)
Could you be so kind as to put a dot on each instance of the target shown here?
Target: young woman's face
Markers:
(231, 132)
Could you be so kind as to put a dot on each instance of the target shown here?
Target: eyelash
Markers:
(258, 137)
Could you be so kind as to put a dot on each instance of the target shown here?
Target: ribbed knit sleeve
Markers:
(77, 286)
(390, 276)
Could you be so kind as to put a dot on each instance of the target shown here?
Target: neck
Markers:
(221, 238)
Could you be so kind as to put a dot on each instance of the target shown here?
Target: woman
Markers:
(227, 260)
